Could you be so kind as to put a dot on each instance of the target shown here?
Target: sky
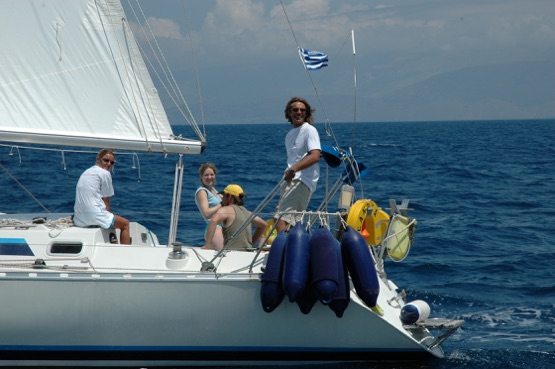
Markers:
(236, 61)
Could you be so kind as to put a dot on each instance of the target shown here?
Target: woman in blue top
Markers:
(208, 200)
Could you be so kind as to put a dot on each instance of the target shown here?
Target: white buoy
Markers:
(415, 312)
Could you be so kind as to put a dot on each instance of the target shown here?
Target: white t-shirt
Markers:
(94, 184)
(298, 142)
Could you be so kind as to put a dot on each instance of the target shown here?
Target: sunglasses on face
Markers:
(108, 161)
(298, 109)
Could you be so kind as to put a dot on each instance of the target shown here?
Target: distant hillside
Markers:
(504, 91)
(524, 90)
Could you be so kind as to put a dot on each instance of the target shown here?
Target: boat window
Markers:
(66, 248)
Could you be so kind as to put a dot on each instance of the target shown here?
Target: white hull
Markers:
(91, 308)
(74, 75)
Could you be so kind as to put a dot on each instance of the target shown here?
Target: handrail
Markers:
(254, 214)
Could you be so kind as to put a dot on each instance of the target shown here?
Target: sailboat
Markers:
(76, 77)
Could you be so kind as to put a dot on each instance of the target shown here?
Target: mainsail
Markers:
(71, 74)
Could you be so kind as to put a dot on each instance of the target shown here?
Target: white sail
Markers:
(71, 74)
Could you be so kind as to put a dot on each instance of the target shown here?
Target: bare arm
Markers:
(309, 160)
(205, 209)
(223, 216)
(260, 225)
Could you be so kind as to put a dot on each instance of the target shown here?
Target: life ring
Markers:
(376, 225)
(369, 220)
(399, 236)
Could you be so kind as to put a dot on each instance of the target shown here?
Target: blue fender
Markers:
(323, 264)
(342, 296)
(271, 292)
(307, 299)
(361, 266)
(296, 262)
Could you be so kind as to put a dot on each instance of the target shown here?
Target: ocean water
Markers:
(482, 192)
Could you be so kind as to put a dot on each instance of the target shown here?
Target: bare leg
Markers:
(123, 225)
(282, 224)
(217, 240)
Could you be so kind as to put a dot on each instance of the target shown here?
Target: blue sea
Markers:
(483, 193)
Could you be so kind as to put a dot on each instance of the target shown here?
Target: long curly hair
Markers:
(309, 118)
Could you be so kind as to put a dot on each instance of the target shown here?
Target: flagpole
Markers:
(354, 75)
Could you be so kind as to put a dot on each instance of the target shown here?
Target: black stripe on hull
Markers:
(209, 356)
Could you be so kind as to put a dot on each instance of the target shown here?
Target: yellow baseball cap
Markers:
(234, 190)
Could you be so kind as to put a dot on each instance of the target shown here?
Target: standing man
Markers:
(232, 215)
(92, 197)
(303, 148)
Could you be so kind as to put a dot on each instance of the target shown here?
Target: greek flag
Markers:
(313, 60)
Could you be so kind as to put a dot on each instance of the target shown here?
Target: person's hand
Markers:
(289, 175)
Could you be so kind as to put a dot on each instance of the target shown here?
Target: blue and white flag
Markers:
(313, 60)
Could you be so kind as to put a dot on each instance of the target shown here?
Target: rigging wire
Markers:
(128, 39)
(24, 188)
(329, 131)
(195, 65)
(175, 94)
(327, 124)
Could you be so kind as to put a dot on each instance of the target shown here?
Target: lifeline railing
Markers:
(333, 157)
(247, 222)
(322, 215)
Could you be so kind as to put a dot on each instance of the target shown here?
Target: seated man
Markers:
(92, 197)
(231, 216)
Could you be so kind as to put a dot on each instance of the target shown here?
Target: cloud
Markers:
(305, 10)
(383, 6)
(159, 28)
(232, 18)
(245, 28)
(165, 28)
(249, 44)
